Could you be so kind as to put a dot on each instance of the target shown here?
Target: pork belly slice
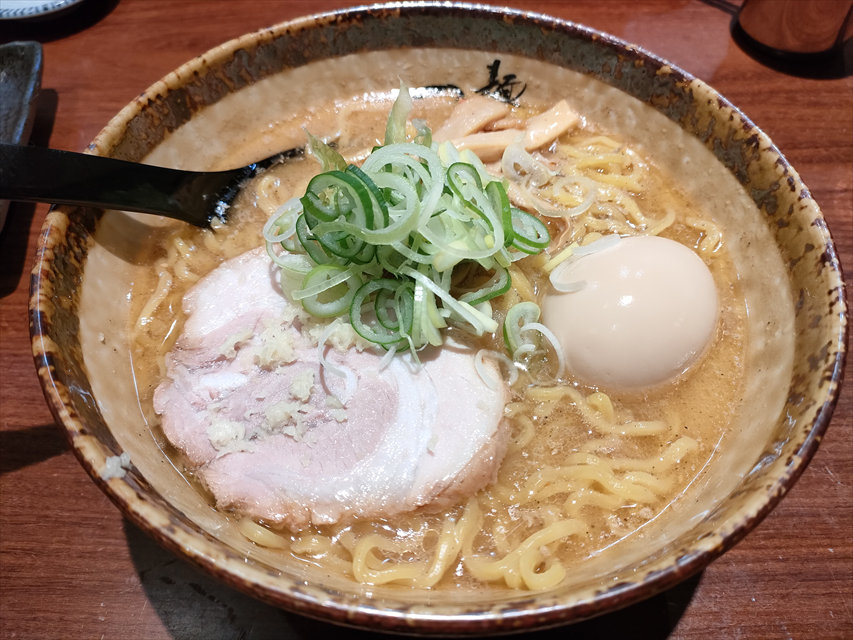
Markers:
(275, 436)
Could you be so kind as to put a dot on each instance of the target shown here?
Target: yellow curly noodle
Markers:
(626, 198)
(583, 469)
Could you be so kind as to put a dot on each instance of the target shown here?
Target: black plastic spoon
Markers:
(36, 174)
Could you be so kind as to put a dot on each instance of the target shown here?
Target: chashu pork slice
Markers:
(275, 435)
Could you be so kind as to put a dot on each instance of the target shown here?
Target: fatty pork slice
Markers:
(275, 436)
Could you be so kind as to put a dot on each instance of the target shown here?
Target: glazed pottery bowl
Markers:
(233, 103)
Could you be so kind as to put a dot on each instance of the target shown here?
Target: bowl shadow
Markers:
(25, 446)
(193, 605)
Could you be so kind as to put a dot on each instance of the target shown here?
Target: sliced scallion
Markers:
(517, 317)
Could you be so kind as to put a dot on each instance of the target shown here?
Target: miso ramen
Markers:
(585, 464)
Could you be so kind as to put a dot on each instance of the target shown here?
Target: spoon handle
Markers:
(36, 174)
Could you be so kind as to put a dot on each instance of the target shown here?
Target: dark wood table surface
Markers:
(72, 567)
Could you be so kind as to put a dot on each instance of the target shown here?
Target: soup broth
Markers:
(586, 467)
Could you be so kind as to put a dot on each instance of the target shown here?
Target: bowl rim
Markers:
(138, 507)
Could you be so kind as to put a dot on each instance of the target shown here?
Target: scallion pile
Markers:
(381, 243)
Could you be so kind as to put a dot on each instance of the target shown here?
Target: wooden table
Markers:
(72, 567)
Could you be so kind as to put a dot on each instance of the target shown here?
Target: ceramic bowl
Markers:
(223, 102)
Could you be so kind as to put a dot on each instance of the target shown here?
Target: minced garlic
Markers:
(229, 347)
(302, 385)
(223, 433)
(276, 347)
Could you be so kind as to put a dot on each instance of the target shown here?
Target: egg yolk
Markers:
(644, 310)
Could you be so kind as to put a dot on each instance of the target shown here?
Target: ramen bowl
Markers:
(231, 106)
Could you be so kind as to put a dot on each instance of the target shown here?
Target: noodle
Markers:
(453, 536)
(164, 284)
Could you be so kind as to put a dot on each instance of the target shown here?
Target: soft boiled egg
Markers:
(636, 313)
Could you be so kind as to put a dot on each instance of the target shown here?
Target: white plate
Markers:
(14, 9)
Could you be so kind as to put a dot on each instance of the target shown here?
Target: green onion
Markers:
(478, 321)
(496, 286)
(310, 245)
(328, 157)
(390, 324)
(530, 234)
(328, 290)
(500, 201)
(395, 129)
(518, 315)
